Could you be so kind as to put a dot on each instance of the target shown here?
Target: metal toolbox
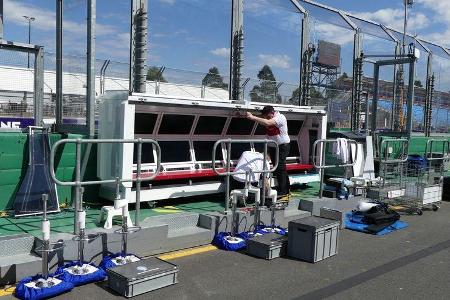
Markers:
(313, 239)
(142, 276)
(268, 246)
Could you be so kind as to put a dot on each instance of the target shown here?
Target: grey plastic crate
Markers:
(333, 214)
(313, 239)
(142, 276)
(268, 246)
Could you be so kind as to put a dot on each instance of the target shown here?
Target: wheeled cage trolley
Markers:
(424, 181)
(392, 158)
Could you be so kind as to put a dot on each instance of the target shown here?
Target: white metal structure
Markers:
(186, 130)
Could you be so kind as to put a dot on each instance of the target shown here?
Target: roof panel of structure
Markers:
(325, 15)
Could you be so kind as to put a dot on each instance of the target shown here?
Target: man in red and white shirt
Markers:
(276, 130)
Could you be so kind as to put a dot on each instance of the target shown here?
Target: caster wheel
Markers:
(419, 212)
(152, 204)
(435, 207)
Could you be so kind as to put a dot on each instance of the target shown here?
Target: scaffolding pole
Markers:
(138, 46)
(59, 67)
(90, 70)
(429, 93)
(237, 49)
(306, 55)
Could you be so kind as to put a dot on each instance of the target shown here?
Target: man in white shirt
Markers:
(276, 130)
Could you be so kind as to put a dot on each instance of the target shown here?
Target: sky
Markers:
(195, 34)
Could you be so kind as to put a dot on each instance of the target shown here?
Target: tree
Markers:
(267, 90)
(152, 75)
(213, 79)
(418, 83)
(315, 96)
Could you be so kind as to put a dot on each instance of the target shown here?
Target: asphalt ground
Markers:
(413, 263)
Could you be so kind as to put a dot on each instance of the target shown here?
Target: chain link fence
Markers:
(17, 76)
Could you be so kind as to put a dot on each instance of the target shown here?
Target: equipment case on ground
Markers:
(313, 239)
(142, 276)
(268, 246)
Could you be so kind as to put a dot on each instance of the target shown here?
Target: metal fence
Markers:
(16, 90)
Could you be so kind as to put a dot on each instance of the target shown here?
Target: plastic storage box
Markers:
(333, 214)
(313, 239)
(268, 246)
(142, 276)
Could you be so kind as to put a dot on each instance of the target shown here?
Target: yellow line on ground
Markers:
(171, 207)
(7, 291)
(165, 210)
(187, 252)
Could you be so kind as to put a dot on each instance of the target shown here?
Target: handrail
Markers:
(231, 141)
(228, 172)
(78, 184)
(104, 141)
(429, 149)
(384, 156)
(321, 164)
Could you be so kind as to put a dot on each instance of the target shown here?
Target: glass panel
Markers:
(409, 39)
(210, 125)
(260, 130)
(370, 28)
(437, 50)
(144, 123)
(174, 151)
(147, 154)
(240, 126)
(274, 4)
(238, 149)
(203, 151)
(325, 15)
(294, 126)
(176, 124)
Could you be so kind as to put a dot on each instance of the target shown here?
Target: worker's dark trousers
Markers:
(280, 173)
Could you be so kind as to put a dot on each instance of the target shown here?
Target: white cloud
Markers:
(394, 18)
(45, 19)
(222, 52)
(277, 61)
(170, 2)
(111, 42)
(440, 7)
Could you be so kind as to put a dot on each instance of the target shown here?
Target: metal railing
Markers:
(78, 183)
(228, 172)
(321, 164)
(439, 159)
(386, 150)
(445, 149)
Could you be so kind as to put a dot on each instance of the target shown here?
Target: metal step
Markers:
(16, 244)
(16, 267)
(174, 221)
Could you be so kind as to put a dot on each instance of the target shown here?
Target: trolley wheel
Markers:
(151, 204)
(419, 212)
(435, 207)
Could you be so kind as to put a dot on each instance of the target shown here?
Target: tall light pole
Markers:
(29, 19)
(407, 3)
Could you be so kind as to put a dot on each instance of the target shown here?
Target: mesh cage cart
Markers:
(425, 176)
(392, 158)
